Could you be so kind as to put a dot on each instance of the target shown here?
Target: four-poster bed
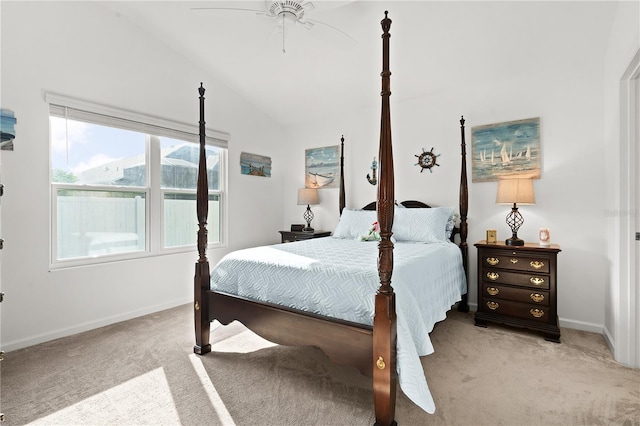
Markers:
(364, 335)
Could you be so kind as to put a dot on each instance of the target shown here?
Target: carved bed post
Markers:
(384, 322)
(463, 306)
(202, 276)
(342, 196)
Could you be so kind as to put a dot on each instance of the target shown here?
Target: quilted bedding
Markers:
(339, 278)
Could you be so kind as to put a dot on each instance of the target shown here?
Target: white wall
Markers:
(81, 50)
(558, 78)
(620, 308)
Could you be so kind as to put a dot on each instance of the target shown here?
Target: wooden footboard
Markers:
(343, 342)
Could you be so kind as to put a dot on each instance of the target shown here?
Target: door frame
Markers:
(627, 341)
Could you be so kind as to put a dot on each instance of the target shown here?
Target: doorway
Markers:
(627, 263)
(628, 345)
(636, 212)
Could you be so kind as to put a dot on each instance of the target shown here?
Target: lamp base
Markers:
(308, 217)
(514, 241)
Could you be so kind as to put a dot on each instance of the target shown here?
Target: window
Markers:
(124, 185)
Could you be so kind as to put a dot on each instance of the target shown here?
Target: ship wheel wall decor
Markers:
(427, 160)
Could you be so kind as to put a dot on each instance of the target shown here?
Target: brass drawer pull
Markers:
(536, 280)
(514, 260)
(492, 305)
(492, 291)
(536, 297)
(493, 261)
(493, 276)
(380, 363)
(538, 313)
(536, 264)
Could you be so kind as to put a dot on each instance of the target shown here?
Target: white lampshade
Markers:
(307, 196)
(519, 191)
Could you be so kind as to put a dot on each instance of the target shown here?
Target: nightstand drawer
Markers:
(291, 236)
(523, 295)
(515, 278)
(516, 309)
(517, 263)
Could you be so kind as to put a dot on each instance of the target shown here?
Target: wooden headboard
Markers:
(410, 204)
(414, 204)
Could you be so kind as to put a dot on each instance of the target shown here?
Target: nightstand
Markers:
(290, 236)
(517, 285)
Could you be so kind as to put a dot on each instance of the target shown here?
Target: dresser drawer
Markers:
(515, 278)
(534, 296)
(516, 263)
(516, 309)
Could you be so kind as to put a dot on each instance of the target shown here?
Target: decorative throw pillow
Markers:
(451, 223)
(373, 234)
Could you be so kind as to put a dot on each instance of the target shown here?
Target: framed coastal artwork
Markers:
(7, 129)
(506, 150)
(255, 165)
(321, 167)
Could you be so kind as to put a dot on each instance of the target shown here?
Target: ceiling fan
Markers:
(287, 14)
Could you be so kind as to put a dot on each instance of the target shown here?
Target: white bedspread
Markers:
(339, 278)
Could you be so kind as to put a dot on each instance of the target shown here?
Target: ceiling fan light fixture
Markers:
(288, 17)
(287, 14)
(290, 10)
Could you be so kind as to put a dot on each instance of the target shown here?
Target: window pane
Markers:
(180, 164)
(181, 222)
(92, 223)
(92, 154)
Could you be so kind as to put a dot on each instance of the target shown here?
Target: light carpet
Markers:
(143, 372)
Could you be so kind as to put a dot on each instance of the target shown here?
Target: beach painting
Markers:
(255, 165)
(322, 167)
(7, 129)
(506, 150)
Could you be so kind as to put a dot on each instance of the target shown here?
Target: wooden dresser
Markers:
(517, 285)
(290, 236)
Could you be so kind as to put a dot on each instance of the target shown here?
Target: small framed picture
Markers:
(544, 237)
(491, 236)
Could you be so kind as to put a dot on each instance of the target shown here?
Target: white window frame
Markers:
(81, 110)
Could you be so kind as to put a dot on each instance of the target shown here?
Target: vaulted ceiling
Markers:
(435, 46)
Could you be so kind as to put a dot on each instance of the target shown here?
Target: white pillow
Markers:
(422, 225)
(354, 223)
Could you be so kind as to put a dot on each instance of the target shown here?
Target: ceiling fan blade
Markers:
(307, 5)
(229, 8)
(306, 24)
(344, 34)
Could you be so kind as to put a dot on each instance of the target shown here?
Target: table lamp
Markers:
(307, 196)
(515, 191)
